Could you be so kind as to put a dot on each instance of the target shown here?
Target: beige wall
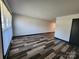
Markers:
(53, 25)
(24, 25)
(63, 26)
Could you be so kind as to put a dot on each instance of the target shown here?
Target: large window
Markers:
(6, 19)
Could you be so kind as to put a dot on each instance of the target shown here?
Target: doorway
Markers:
(74, 37)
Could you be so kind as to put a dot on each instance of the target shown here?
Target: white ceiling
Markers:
(44, 9)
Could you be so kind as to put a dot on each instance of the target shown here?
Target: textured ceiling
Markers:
(44, 9)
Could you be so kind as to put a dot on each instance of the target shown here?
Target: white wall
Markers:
(63, 26)
(24, 25)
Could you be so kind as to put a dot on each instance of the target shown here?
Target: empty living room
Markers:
(39, 29)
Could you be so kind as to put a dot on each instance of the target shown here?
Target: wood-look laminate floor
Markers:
(42, 46)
